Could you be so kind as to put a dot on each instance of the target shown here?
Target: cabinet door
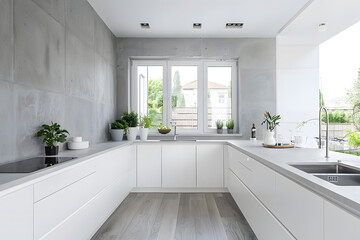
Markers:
(300, 210)
(149, 165)
(339, 224)
(210, 162)
(16, 214)
(178, 165)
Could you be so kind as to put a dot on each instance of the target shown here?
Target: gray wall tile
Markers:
(6, 40)
(55, 8)
(38, 95)
(80, 68)
(39, 48)
(80, 20)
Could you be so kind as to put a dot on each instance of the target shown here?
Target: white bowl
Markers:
(76, 139)
(78, 145)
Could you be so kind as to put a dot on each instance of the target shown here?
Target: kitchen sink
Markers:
(327, 168)
(336, 173)
(341, 179)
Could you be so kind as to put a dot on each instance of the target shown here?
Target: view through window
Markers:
(340, 88)
(193, 95)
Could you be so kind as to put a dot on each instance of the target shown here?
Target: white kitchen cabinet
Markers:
(263, 223)
(16, 214)
(240, 164)
(113, 176)
(178, 165)
(340, 224)
(149, 165)
(299, 209)
(210, 163)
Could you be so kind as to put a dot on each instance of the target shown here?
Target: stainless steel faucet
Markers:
(327, 130)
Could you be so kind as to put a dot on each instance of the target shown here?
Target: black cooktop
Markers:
(32, 164)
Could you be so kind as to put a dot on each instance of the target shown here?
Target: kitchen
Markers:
(81, 64)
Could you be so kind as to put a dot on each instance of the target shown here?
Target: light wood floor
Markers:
(167, 216)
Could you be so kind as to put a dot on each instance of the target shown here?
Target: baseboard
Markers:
(181, 190)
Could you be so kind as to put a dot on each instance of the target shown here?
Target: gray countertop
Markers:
(277, 159)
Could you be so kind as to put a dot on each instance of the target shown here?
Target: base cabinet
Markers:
(263, 223)
(148, 165)
(210, 165)
(178, 166)
(340, 224)
(16, 214)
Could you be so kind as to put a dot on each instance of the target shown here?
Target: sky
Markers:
(340, 62)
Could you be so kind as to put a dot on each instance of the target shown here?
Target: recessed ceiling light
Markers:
(322, 27)
(145, 25)
(197, 25)
(234, 25)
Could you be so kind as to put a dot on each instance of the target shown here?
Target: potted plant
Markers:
(271, 123)
(230, 126)
(118, 128)
(145, 124)
(52, 136)
(219, 126)
(132, 120)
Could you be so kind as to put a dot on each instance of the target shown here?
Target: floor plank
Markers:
(180, 216)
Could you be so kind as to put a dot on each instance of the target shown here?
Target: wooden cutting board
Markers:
(282, 146)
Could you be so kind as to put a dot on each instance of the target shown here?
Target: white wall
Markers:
(297, 87)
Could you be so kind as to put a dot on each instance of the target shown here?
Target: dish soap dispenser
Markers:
(253, 132)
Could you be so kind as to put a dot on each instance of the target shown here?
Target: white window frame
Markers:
(202, 66)
(234, 92)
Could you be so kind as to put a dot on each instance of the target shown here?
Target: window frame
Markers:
(202, 111)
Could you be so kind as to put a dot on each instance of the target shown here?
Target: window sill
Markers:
(189, 136)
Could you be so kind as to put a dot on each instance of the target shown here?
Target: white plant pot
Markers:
(117, 134)
(269, 138)
(131, 136)
(144, 134)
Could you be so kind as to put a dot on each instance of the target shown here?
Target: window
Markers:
(191, 94)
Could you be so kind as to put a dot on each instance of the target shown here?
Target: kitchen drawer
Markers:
(299, 210)
(52, 210)
(84, 223)
(240, 164)
(263, 183)
(262, 222)
(55, 183)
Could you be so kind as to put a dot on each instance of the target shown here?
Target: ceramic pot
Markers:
(219, 131)
(131, 136)
(117, 135)
(269, 138)
(230, 131)
(53, 150)
(144, 134)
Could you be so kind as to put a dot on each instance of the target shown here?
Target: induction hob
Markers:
(32, 164)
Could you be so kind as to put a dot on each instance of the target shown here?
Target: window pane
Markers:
(150, 92)
(219, 94)
(184, 92)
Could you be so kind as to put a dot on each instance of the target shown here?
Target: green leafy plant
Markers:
(132, 118)
(120, 124)
(230, 124)
(219, 124)
(52, 134)
(353, 137)
(271, 121)
(338, 116)
(145, 122)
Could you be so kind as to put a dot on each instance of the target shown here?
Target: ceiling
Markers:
(174, 18)
(338, 16)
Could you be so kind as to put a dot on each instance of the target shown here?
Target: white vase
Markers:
(144, 134)
(131, 136)
(269, 138)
